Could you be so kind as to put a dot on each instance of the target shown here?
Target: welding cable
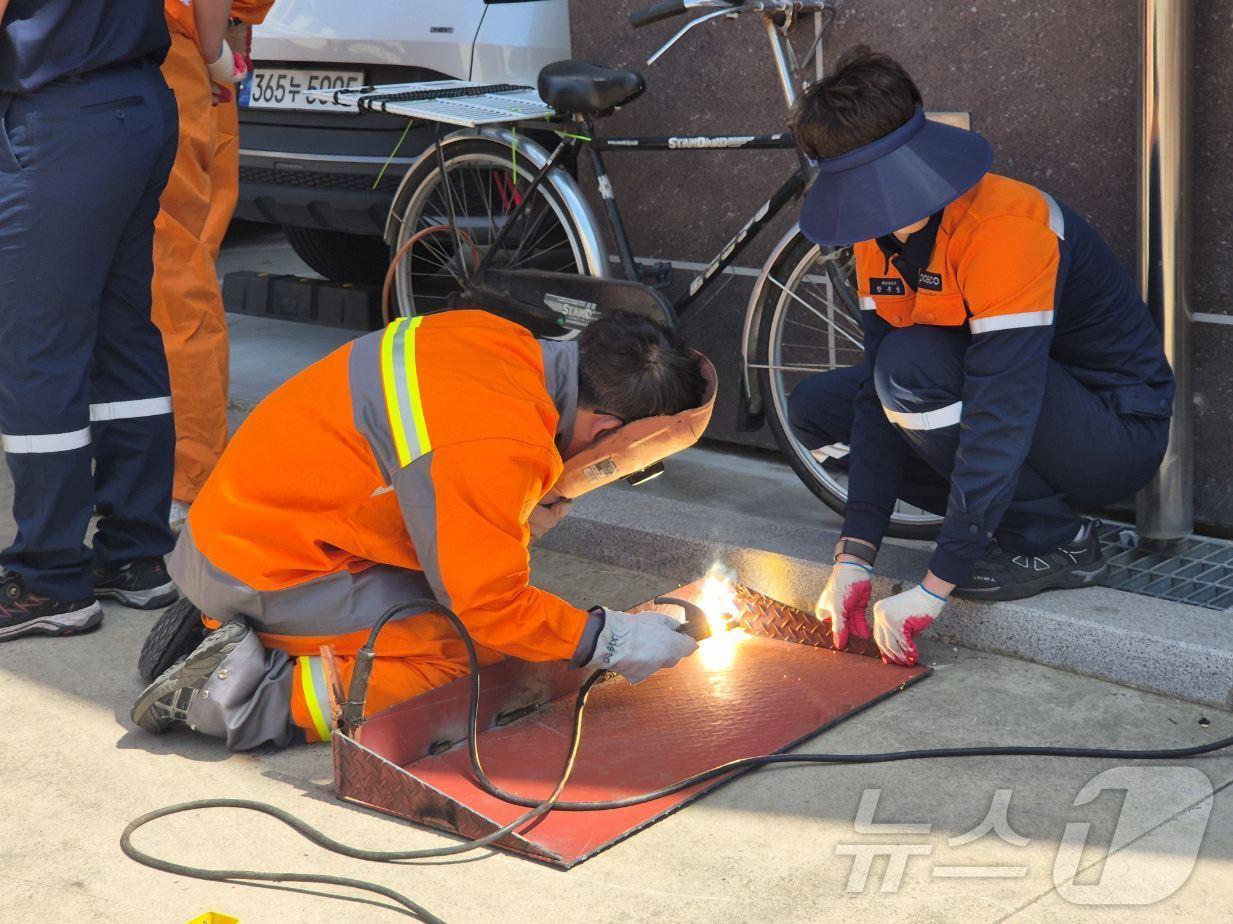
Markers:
(249, 877)
(747, 763)
(763, 760)
(551, 803)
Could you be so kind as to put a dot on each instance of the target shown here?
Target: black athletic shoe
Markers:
(177, 632)
(142, 584)
(1003, 576)
(164, 704)
(25, 612)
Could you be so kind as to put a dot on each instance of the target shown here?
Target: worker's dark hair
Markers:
(631, 367)
(868, 95)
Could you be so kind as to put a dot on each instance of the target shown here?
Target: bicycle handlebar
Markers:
(669, 8)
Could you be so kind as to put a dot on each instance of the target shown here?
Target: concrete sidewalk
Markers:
(782, 844)
(777, 845)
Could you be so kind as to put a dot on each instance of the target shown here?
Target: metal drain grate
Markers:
(1197, 571)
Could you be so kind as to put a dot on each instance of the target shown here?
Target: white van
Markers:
(327, 176)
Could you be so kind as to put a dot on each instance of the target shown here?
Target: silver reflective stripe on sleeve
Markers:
(45, 442)
(1011, 321)
(1057, 223)
(868, 304)
(929, 420)
(123, 410)
(417, 496)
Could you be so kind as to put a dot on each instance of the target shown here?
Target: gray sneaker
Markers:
(164, 704)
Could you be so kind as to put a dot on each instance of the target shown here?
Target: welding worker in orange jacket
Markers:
(209, 47)
(408, 464)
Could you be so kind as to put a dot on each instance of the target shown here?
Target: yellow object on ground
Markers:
(214, 917)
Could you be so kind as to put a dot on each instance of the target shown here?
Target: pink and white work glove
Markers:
(229, 67)
(899, 619)
(845, 600)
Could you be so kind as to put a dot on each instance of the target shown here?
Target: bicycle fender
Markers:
(533, 154)
(751, 408)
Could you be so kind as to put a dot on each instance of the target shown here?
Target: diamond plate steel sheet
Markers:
(760, 689)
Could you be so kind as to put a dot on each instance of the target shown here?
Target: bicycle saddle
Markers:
(581, 87)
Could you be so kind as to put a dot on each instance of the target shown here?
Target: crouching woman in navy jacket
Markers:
(1012, 374)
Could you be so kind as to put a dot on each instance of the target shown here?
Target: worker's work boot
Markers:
(176, 633)
(143, 584)
(169, 701)
(24, 611)
(1002, 575)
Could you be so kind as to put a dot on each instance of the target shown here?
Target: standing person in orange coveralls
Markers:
(410, 464)
(209, 47)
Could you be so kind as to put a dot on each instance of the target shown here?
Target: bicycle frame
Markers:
(571, 140)
(788, 191)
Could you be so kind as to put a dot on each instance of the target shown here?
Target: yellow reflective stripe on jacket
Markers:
(312, 684)
(402, 391)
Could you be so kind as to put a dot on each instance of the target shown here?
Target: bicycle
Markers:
(508, 229)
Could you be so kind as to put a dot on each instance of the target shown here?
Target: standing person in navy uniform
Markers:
(1012, 373)
(87, 137)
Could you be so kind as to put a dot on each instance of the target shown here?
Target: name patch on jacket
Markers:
(930, 281)
(887, 286)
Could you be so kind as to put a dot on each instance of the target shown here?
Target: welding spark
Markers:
(718, 601)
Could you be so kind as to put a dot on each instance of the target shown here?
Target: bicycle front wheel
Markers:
(811, 324)
(482, 187)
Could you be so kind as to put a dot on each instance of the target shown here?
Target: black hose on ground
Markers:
(537, 808)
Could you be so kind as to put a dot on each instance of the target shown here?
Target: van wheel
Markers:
(340, 256)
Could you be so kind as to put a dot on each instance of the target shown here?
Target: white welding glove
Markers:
(228, 68)
(636, 645)
(899, 619)
(547, 514)
(845, 601)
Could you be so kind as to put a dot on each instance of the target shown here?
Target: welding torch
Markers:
(697, 625)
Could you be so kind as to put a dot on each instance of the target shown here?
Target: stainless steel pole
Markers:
(1166, 506)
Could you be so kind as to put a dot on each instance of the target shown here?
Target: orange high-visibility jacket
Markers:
(424, 446)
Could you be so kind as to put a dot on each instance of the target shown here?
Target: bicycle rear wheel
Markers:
(483, 183)
(811, 324)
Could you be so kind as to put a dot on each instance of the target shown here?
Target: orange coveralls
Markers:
(403, 465)
(195, 210)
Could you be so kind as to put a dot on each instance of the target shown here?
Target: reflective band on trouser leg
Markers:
(125, 410)
(928, 420)
(1011, 321)
(312, 686)
(45, 442)
(402, 390)
(833, 451)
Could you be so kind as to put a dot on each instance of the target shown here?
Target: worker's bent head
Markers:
(868, 95)
(632, 369)
(882, 167)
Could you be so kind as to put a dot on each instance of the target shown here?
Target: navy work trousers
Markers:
(1083, 453)
(85, 408)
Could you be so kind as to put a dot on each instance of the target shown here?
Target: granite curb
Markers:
(1142, 642)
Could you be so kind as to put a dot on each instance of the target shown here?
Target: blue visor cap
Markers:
(916, 170)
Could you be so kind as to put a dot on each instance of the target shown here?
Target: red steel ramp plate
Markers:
(743, 694)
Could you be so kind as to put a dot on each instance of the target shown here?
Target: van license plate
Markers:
(288, 88)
